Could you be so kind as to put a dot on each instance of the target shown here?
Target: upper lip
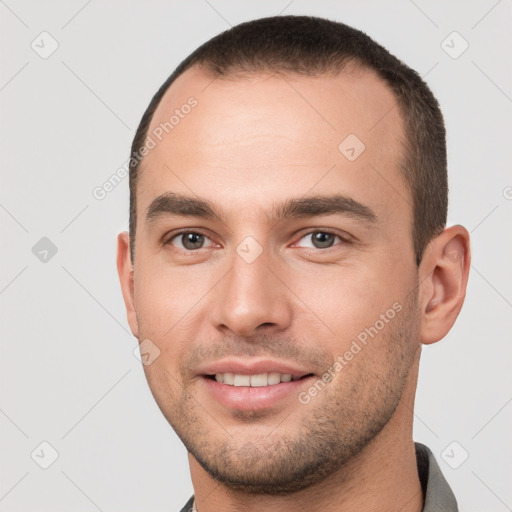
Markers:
(252, 367)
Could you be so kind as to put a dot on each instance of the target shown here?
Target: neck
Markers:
(382, 476)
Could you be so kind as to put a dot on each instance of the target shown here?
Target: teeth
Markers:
(274, 378)
(242, 380)
(259, 380)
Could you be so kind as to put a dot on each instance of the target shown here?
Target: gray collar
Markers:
(436, 491)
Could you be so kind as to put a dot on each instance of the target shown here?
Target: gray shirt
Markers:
(436, 491)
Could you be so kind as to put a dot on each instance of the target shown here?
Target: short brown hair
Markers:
(315, 46)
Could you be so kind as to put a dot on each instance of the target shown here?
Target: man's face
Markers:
(252, 293)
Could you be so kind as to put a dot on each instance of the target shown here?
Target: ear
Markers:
(125, 271)
(443, 276)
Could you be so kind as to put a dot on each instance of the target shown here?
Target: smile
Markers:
(255, 381)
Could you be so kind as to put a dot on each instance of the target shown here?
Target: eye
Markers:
(188, 240)
(322, 239)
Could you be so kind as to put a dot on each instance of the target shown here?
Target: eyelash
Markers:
(344, 240)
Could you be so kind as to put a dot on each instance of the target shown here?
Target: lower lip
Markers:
(245, 398)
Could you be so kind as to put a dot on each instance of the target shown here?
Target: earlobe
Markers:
(443, 275)
(126, 271)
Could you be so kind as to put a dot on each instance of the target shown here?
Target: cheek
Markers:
(171, 314)
(165, 297)
(343, 302)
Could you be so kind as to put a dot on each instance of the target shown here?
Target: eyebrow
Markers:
(171, 203)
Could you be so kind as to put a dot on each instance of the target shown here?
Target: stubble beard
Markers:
(329, 432)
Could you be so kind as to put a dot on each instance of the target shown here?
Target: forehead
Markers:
(245, 140)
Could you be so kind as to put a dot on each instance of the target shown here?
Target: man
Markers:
(288, 256)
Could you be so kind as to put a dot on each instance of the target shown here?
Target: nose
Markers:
(251, 299)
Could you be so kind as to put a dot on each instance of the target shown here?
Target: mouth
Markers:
(256, 384)
(257, 391)
(257, 380)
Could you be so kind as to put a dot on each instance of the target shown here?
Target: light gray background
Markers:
(68, 373)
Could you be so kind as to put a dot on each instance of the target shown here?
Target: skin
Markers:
(250, 143)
